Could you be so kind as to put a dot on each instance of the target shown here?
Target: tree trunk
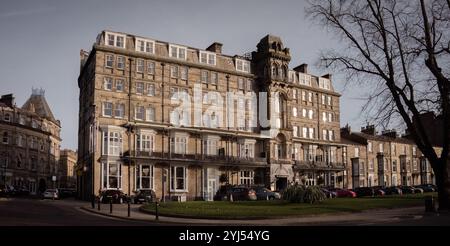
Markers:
(443, 184)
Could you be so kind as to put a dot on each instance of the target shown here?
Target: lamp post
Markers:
(93, 132)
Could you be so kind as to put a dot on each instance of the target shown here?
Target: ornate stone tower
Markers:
(271, 61)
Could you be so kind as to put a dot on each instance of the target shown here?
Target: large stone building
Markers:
(151, 116)
(29, 149)
(67, 163)
(384, 159)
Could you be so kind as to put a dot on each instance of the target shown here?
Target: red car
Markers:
(343, 193)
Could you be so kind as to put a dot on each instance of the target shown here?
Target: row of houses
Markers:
(30, 155)
(183, 121)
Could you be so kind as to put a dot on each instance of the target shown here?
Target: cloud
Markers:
(25, 12)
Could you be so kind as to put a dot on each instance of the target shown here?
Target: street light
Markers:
(93, 128)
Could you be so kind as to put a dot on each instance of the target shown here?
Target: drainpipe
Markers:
(129, 132)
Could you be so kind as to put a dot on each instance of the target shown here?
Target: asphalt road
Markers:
(36, 212)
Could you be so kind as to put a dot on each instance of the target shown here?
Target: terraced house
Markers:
(384, 159)
(30, 143)
(182, 120)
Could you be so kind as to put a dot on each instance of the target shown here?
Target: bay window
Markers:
(178, 144)
(144, 177)
(111, 175)
(145, 141)
(178, 178)
(112, 143)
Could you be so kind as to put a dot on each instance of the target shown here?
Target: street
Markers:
(36, 212)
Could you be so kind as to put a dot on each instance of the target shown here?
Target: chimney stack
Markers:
(389, 133)
(303, 68)
(8, 100)
(369, 129)
(215, 47)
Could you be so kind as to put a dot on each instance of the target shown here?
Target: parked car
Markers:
(50, 194)
(364, 191)
(328, 192)
(144, 196)
(7, 190)
(427, 187)
(263, 193)
(379, 190)
(407, 189)
(393, 191)
(116, 196)
(343, 192)
(417, 189)
(238, 192)
(66, 192)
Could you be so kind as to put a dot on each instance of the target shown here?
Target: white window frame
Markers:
(120, 62)
(151, 89)
(330, 135)
(109, 58)
(120, 107)
(173, 178)
(183, 72)
(178, 53)
(242, 65)
(311, 133)
(110, 146)
(140, 87)
(105, 175)
(104, 109)
(148, 112)
(116, 37)
(150, 67)
(136, 109)
(108, 82)
(145, 140)
(210, 58)
(139, 177)
(140, 64)
(146, 44)
(123, 84)
(246, 177)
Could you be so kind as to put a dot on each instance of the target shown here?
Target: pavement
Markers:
(401, 216)
(69, 212)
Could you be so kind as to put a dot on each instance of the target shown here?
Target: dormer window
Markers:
(178, 52)
(324, 83)
(145, 45)
(242, 65)
(207, 58)
(115, 39)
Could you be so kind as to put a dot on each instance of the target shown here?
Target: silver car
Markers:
(51, 194)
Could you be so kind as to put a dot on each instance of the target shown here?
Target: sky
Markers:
(41, 40)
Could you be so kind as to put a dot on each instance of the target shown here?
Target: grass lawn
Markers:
(265, 209)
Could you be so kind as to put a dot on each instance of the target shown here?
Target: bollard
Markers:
(429, 204)
(128, 207)
(156, 210)
(110, 205)
(93, 202)
(98, 203)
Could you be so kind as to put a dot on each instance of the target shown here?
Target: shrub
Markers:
(302, 194)
(314, 194)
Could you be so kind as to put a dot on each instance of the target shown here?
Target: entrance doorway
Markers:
(281, 184)
(211, 189)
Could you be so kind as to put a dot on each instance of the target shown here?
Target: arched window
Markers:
(274, 71)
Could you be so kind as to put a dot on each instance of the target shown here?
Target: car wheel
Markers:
(271, 198)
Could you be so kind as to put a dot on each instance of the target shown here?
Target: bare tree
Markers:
(400, 51)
